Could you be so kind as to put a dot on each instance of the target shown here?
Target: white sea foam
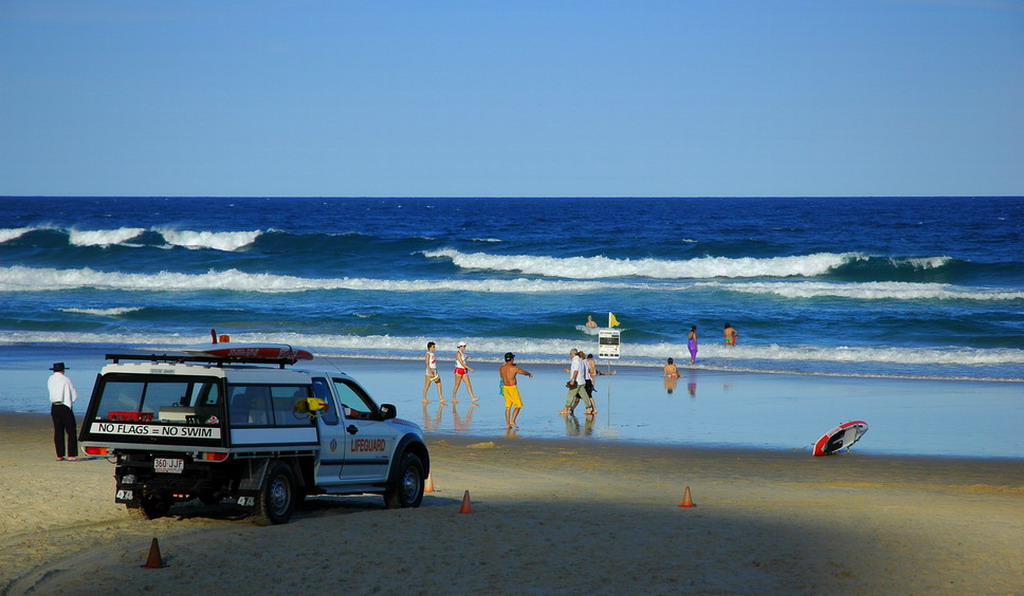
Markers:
(102, 237)
(893, 290)
(923, 262)
(554, 350)
(103, 312)
(604, 267)
(225, 241)
(8, 234)
(26, 279)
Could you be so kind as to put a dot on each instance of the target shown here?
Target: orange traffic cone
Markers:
(429, 488)
(687, 499)
(154, 561)
(466, 506)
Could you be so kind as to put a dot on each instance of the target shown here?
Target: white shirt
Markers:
(577, 367)
(62, 391)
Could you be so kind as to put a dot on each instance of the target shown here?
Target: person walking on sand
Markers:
(691, 343)
(730, 335)
(510, 389)
(62, 398)
(591, 377)
(575, 385)
(431, 375)
(462, 371)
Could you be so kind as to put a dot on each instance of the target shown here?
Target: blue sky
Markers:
(519, 98)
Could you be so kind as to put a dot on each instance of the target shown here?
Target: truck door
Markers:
(332, 436)
(370, 440)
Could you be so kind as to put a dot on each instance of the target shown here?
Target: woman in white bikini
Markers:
(432, 377)
(462, 371)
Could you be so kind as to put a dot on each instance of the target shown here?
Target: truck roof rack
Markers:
(182, 357)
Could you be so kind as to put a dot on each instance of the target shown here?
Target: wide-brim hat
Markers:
(57, 367)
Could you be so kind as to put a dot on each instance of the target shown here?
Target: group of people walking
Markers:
(582, 373)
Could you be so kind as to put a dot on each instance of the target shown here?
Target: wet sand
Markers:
(549, 516)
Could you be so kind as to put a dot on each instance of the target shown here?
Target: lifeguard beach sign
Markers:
(608, 344)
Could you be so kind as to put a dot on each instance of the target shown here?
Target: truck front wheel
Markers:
(276, 500)
(406, 489)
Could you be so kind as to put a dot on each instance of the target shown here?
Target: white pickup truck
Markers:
(256, 430)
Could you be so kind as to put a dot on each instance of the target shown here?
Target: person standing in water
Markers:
(691, 343)
(432, 377)
(730, 335)
(510, 389)
(462, 371)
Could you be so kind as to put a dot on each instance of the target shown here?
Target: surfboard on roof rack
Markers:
(257, 351)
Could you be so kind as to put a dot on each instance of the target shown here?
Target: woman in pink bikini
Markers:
(462, 371)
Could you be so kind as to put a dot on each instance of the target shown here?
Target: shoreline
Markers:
(764, 522)
(774, 412)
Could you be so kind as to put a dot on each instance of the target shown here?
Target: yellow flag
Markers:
(612, 321)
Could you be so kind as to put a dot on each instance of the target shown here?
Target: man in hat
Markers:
(62, 398)
(510, 390)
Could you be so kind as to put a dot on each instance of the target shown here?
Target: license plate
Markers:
(168, 465)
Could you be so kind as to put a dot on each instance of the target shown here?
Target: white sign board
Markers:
(608, 344)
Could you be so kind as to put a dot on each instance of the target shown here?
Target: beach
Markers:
(548, 516)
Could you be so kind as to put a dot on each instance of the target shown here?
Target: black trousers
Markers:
(64, 424)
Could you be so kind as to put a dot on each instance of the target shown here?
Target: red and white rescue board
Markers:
(840, 437)
(247, 350)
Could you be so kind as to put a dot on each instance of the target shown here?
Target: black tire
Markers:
(209, 497)
(150, 508)
(276, 500)
(405, 489)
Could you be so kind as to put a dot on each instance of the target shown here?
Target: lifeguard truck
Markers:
(242, 422)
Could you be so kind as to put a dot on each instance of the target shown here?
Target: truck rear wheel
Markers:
(276, 500)
(150, 508)
(406, 489)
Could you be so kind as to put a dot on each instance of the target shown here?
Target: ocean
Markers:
(927, 288)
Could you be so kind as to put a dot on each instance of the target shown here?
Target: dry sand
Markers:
(548, 517)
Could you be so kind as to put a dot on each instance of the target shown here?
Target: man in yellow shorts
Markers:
(513, 403)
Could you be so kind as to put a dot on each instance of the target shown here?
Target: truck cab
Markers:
(258, 431)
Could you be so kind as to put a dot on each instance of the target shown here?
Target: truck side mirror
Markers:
(388, 411)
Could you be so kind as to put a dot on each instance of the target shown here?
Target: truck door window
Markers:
(323, 391)
(355, 401)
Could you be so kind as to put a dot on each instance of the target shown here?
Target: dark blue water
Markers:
(920, 287)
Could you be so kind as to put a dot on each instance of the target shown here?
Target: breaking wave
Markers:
(27, 279)
(222, 241)
(603, 267)
(894, 290)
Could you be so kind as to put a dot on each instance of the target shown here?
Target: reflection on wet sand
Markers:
(460, 421)
(572, 426)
